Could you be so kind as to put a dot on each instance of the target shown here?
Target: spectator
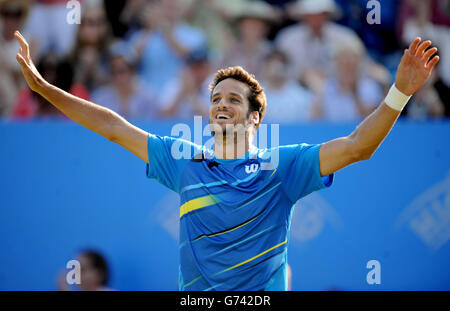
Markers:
(419, 24)
(349, 94)
(441, 12)
(57, 71)
(164, 42)
(287, 100)
(309, 46)
(425, 104)
(438, 12)
(49, 28)
(279, 3)
(125, 94)
(123, 16)
(94, 274)
(90, 54)
(380, 39)
(188, 94)
(13, 14)
(252, 46)
(214, 17)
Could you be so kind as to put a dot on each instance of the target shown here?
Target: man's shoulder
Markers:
(180, 148)
(172, 139)
(268, 153)
(284, 158)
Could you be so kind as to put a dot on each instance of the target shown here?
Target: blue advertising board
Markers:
(64, 188)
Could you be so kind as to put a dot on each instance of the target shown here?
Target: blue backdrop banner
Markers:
(383, 225)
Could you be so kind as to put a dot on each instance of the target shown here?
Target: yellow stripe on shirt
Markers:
(197, 203)
(254, 257)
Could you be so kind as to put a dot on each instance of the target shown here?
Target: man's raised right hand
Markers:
(32, 76)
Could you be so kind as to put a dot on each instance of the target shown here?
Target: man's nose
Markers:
(222, 105)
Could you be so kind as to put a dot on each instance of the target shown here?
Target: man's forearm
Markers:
(371, 132)
(94, 117)
(413, 71)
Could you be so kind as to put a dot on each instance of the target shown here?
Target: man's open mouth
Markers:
(223, 116)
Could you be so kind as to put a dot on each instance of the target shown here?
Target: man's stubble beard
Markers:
(236, 134)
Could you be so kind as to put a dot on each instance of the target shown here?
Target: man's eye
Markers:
(235, 100)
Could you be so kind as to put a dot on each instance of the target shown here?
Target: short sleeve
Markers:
(167, 157)
(299, 170)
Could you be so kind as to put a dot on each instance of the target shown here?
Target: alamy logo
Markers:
(74, 274)
(374, 275)
(374, 15)
(74, 15)
(252, 168)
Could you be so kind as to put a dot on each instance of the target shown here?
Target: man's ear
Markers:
(254, 117)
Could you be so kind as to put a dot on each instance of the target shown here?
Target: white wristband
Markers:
(396, 99)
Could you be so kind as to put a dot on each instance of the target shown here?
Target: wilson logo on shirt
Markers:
(252, 168)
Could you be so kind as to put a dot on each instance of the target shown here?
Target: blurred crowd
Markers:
(154, 59)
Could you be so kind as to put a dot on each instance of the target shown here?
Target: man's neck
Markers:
(232, 146)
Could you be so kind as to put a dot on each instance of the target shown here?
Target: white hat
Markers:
(256, 9)
(302, 7)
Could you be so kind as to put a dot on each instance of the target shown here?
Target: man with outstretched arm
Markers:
(236, 209)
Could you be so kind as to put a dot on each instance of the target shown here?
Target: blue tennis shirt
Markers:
(235, 214)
